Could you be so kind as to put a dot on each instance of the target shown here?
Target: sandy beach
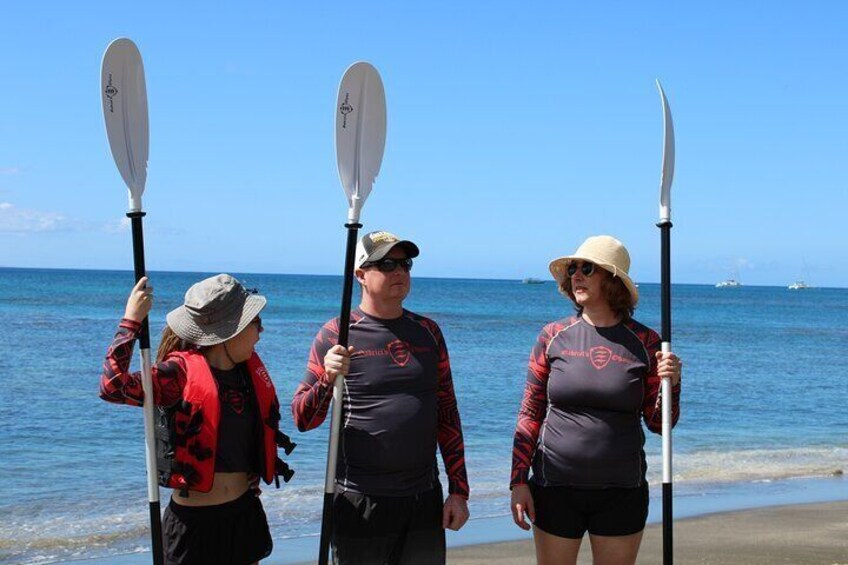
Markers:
(802, 534)
(799, 534)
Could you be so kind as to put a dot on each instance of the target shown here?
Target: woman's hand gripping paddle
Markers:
(124, 96)
(360, 141)
(665, 236)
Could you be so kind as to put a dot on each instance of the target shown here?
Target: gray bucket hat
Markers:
(215, 310)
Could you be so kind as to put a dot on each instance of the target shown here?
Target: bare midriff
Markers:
(226, 487)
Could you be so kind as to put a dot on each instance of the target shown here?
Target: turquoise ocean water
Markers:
(764, 398)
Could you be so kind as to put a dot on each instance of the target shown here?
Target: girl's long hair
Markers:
(171, 342)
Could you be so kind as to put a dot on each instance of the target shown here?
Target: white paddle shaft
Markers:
(666, 421)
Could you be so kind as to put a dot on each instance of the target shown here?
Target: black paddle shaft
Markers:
(665, 265)
(665, 301)
(347, 291)
(138, 261)
(144, 343)
(344, 327)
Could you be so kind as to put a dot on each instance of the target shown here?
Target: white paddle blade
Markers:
(124, 95)
(360, 133)
(668, 159)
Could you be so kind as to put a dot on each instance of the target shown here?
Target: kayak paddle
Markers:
(360, 141)
(665, 236)
(124, 95)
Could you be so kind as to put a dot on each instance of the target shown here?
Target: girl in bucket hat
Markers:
(592, 376)
(217, 419)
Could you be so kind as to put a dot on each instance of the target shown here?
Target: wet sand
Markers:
(803, 534)
(798, 534)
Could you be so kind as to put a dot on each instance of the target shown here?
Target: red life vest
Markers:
(187, 434)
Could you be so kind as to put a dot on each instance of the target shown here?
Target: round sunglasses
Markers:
(587, 268)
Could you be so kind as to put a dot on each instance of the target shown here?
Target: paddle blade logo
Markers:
(110, 91)
(399, 352)
(600, 356)
(345, 109)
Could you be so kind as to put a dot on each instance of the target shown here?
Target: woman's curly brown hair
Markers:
(615, 292)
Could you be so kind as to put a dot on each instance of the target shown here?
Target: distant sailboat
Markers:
(730, 283)
(800, 284)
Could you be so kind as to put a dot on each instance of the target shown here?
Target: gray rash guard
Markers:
(398, 405)
(587, 390)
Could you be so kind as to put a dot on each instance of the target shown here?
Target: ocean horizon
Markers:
(547, 280)
(762, 414)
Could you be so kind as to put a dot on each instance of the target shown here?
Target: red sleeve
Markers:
(652, 404)
(312, 397)
(533, 407)
(451, 443)
(119, 385)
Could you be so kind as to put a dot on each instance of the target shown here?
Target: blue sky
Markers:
(515, 130)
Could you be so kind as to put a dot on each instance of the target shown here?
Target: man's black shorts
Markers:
(388, 530)
(569, 512)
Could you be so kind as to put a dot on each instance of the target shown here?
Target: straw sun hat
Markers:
(215, 310)
(605, 252)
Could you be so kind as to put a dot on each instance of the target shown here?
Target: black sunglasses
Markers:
(587, 268)
(389, 265)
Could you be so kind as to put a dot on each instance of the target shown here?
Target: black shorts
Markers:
(233, 533)
(569, 512)
(388, 529)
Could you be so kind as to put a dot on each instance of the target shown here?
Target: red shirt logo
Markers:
(399, 351)
(600, 356)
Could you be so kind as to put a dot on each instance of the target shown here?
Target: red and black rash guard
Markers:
(399, 403)
(587, 389)
(237, 446)
(118, 385)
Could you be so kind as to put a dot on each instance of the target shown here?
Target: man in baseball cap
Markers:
(398, 407)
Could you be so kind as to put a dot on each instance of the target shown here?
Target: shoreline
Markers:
(762, 515)
(801, 534)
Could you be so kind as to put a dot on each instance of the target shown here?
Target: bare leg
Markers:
(554, 550)
(614, 550)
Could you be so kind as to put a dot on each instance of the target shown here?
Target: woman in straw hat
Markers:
(592, 376)
(218, 415)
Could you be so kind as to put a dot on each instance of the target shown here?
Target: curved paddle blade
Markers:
(668, 159)
(124, 95)
(360, 133)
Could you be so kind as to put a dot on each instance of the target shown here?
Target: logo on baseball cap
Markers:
(377, 244)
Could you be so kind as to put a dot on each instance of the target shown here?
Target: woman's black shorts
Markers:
(569, 512)
(233, 533)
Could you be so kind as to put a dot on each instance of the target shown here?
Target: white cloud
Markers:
(18, 220)
(9, 170)
(118, 226)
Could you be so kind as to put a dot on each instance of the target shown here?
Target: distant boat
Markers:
(531, 280)
(800, 284)
(729, 283)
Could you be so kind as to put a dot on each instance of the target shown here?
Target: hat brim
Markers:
(558, 267)
(380, 252)
(185, 327)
